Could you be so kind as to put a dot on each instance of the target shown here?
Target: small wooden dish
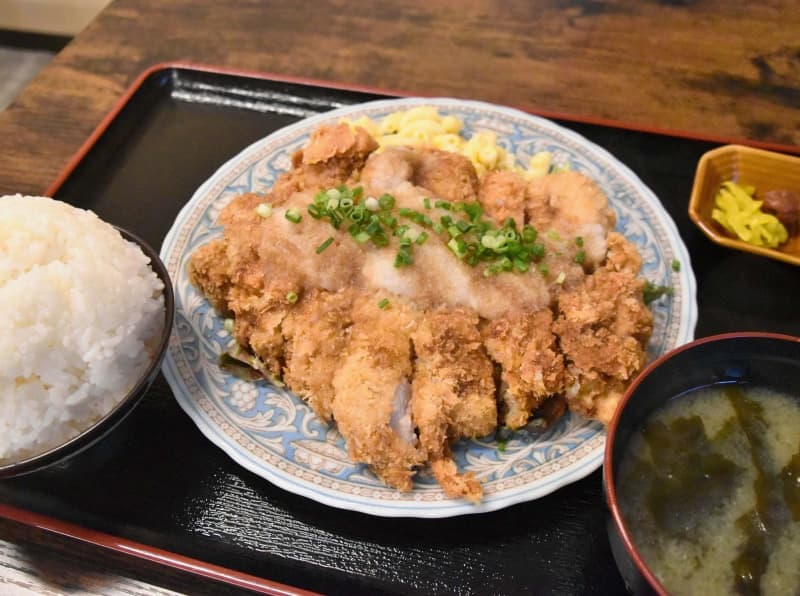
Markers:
(765, 170)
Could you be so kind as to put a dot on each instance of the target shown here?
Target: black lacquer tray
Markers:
(158, 490)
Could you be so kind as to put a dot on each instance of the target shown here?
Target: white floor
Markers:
(17, 68)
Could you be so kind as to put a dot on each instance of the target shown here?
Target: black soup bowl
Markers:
(126, 404)
(761, 359)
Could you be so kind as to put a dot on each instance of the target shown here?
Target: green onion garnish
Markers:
(291, 297)
(579, 241)
(293, 215)
(264, 210)
(325, 244)
(470, 237)
(383, 303)
(529, 234)
(403, 258)
(386, 201)
(580, 257)
(653, 292)
(676, 265)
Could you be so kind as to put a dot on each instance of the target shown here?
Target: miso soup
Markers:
(709, 489)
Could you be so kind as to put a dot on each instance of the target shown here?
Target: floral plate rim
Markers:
(565, 474)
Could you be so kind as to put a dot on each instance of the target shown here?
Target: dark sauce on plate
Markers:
(710, 492)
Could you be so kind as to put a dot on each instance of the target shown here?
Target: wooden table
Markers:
(722, 68)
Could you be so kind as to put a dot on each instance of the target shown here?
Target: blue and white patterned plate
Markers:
(277, 436)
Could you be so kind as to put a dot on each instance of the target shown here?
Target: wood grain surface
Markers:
(720, 67)
(725, 67)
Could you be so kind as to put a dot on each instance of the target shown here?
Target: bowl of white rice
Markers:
(88, 311)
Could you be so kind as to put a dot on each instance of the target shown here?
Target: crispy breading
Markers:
(602, 327)
(332, 157)
(503, 195)
(454, 351)
(531, 366)
(572, 204)
(208, 272)
(316, 334)
(447, 175)
(452, 393)
(370, 391)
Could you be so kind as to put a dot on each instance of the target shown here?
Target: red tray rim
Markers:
(150, 553)
(195, 566)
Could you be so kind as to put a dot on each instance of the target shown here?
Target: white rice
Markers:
(81, 309)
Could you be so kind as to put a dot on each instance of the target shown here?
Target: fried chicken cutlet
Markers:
(409, 345)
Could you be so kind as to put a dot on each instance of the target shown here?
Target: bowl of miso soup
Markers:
(702, 469)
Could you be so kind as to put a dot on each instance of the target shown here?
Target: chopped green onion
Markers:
(334, 193)
(380, 239)
(264, 210)
(293, 215)
(411, 235)
(473, 210)
(453, 231)
(579, 240)
(438, 228)
(291, 297)
(388, 220)
(653, 292)
(325, 244)
(676, 265)
(361, 237)
(372, 204)
(537, 251)
(383, 304)
(443, 205)
(427, 202)
(580, 257)
(529, 234)
(459, 247)
(358, 213)
(403, 258)
(464, 226)
(386, 201)
(544, 269)
(423, 236)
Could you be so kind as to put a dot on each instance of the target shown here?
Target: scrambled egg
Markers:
(424, 125)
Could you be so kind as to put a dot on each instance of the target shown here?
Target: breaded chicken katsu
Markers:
(414, 303)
